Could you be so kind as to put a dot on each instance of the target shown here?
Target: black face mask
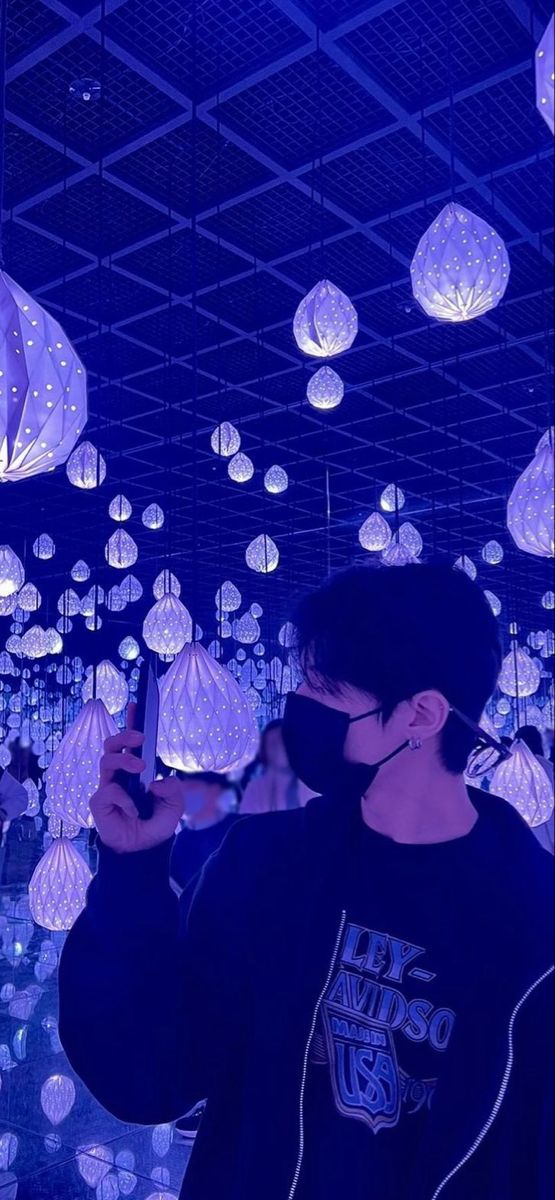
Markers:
(314, 737)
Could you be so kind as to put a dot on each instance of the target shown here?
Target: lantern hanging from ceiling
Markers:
(464, 563)
(12, 575)
(109, 685)
(276, 480)
(374, 534)
(326, 322)
(228, 597)
(519, 674)
(43, 547)
(69, 604)
(58, 887)
(43, 389)
(131, 589)
(73, 775)
(129, 648)
(92, 600)
(120, 509)
(398, 555)
(409, 537)
(225, 440)
(392, 499)
(86, 467)
(80, 572)
(461, 266)
(240, 468)
(153, 517)
(548, 600)
(493, 553)
(206, 724)
(29, 598)
(522, 781)
(325, 389)
(531, 507)
(121, 550)
(262, 554)
(168, 625)
(494, 602)
(545, 76)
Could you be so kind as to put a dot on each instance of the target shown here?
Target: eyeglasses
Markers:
(488, 752)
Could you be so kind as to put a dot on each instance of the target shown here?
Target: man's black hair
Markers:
(532, 737)
(396, 631)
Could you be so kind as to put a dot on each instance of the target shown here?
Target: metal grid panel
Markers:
(94, 214)
(29, 24)
(274, 223)
(30, 161)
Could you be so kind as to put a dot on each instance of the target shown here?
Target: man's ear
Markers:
(429, 715)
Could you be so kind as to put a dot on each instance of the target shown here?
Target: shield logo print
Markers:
(364, 1069)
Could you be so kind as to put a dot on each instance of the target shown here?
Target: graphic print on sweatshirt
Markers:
(381, 1034)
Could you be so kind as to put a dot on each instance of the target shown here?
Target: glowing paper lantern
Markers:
(326, 322)
(86, 467)
(225, 440)
(398, 555)
(131, 589)
(241, 468)
(120, 509)
(111, 687)
(531, 507)
(43, 392)
(80, 572)
(494, 602)
(325, 389)
(228, 597)
(522, 781)
(73, 775)
(120, 550)
(94, 1163)
(465, 564)
(129, 648)
(69, 604)
(205, 722)
(276, 480)
(409, 537)
(33, 642)
(392, 499)
(91, 601)
(519, 674)
(461, 266)
(153, 517)
(545, 76)
(57, 1098)
(548, 600)
(493, 553)
(58, 887)
(374, 534)
(8, 604)
(43, 547)
(167, 625)
(166, 583)
(262, 554)
(29, 598)
(12, 575)
(246, 629)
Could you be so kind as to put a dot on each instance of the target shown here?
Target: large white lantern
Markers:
(519, 674)
(522, 781)
(110, 686)
(531, 507)
(225, 440)
(167, 625)
(58, 887)
(43, 389)
(262, 554)
(461, 266)
(86, 467)
(326, 322)
(206, 723)
(325, 389)
(545, 76)
(121, 550)
(374, 535)
(12, 575)
(73, 775)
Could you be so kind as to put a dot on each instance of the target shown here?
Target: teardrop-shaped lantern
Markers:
(522, 781)
(325, 389)
(57, 1098)
(374, 535)
(519, 674)
(206, 724)
(121, 550)
(120, 508)
(167, 625)
(531, 507)
(86, 467)
(12, 575)
(545, 76)
(153, 517)
(58, 887)
(73, 775)
(326, 322)
(109, 685)
(225, 440)
(262, 554)
(461, 266)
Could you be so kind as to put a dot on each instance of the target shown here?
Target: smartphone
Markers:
(146, 720)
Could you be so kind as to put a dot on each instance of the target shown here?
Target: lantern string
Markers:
(3, 66)
(426, 207)
(194, 308)
(220, 384)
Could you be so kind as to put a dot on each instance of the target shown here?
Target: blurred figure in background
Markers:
(528, 733)
(208, 818)
(19, 837)
(274, 788)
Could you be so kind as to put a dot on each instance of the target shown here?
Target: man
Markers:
(208, 822)
(362, 988)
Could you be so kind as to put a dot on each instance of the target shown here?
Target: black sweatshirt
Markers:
(245, 998)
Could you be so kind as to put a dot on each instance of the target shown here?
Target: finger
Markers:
(131, 714)
(110, 763)
(129, 739)
(117, 797)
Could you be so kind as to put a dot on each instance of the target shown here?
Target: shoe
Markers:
(188, 1125)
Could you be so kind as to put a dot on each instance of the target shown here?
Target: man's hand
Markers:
(114, 812)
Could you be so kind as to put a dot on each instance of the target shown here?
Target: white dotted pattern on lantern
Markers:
(519, 674)
(29, 598)
(73, 775)
(545, 76)
(80, 572)
(58, 887)
(165, 583)
(12, 575)
(241, 468)
(494, 602)
(548, 600)
(246, 629)
(531, 507)
(374, 535)
(106, 683)
(86, 467)
(131, 589)
(461, 266)
(276, 480)
(92, 600)
(153, 517)
(167, 626)
(410, 539)
(398, 555)
(205, 722)
(121, 550)
(325, 389)
(43, 547)
(94, 1163)
(493, 553)
(522, 781)
(392, 499)
(115, 601)
(8, 604)
(225, 440)
(43, 391)
(262, 554)
(464, 563)
(120, 508)
(326, 322)
(57, 1098)
(228, 597)
(69, 604)
(129, 648)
